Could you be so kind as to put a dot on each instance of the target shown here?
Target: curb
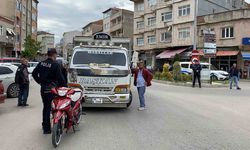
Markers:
(189, 84)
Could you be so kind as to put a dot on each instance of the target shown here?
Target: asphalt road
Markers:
(177, 118)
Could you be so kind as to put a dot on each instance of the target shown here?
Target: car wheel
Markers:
(214, 78)
(13, 91)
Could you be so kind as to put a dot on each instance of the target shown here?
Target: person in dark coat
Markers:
(196, 67)
(22, 79)
(48, 74)
(234, 76)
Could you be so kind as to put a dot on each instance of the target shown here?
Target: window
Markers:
(151, 21)
(24, 10)
(1, 30)
(151, 2)
(167, 16)
(166, 36)
(184, 33)
(140, 41)
(34, 17)
(151, 39)
(18, 5)
(140, 24)
(227, 32)
(185, 66)
(17, 38)
(139, 7)
(107, 14)
(23, 25)
(34, 30)
(184, 10)
(5, 70)
(34, 4)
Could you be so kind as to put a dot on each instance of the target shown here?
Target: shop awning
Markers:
(169, 53)
(246, 55)
(227, 53)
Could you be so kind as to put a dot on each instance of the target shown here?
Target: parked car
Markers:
(9, 60)
(7, 75)
(214, 73)
(2, 94)
(31, 66)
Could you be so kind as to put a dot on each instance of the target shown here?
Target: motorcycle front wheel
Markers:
(57, 133)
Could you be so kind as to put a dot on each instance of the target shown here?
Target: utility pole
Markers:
(195, 24)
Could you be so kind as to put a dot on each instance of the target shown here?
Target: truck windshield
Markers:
(99, 57)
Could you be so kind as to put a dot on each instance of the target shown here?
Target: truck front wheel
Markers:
(130, 99)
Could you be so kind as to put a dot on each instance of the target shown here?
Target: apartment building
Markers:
(24, 15)
(67, 41)
(118, 22)
(232, 35)
(47, 41)
(163, 28)
(92, 28)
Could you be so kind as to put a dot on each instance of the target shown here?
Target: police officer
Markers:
(196, 67)
(48, 74)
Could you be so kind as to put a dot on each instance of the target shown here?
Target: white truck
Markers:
(103, 72)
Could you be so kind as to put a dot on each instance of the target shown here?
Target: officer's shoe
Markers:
(46, 132)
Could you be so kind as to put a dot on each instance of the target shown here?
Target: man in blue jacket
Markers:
(234, 76)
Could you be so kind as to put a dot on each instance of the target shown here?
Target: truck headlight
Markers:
(122, 89)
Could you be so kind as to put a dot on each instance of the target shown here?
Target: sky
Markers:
(59, 16)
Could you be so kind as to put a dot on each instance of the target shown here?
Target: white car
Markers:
(7, 75)
(214, 73)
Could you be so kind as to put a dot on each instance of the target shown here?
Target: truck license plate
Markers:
(97, 100)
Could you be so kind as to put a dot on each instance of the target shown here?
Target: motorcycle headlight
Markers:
(62, 92)
(122, 89)
(64, 105)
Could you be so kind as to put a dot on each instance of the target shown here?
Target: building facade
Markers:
(163, 28)
(7, 36)
(47, 41)
(118, 22)
(232, 34)
(68, 42)
(24, 14)
(92, 28)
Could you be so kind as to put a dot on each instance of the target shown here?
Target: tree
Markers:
(177, 71)
(31, 47)
(177, 57)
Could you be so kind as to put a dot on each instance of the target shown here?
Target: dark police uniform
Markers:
(196, 73)
(48, 74)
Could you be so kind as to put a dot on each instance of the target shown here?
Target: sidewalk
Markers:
(189, 84)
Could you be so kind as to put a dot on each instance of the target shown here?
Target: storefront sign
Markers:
(210, 45)
(246, 41)
(209, 38)
(102, 36)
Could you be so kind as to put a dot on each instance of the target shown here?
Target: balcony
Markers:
(115, 27)
(164, 3)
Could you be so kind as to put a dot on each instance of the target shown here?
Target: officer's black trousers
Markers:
(197, 76)
(47, 99)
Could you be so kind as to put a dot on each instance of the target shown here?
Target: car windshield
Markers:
(101, 58)
(213, 67)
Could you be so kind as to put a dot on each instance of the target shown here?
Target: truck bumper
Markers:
(116, 100)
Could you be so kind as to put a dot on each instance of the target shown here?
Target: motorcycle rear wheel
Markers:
(79, 116)
(57, 134)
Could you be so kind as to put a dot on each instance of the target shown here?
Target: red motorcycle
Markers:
(66, 111)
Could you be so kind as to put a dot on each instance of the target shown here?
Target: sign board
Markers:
(102, 36)
(210, 45)
(209, 38)
(246, 41)
(195, 55)
(205, 74)
(209, 51)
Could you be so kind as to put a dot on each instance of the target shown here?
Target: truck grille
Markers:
(99, 89)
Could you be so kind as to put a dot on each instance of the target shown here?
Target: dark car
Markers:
(2, 94)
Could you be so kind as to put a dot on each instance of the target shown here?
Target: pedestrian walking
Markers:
(234, 76)
(22, 79)
(142, 79)
(196, 67)
(49, 75)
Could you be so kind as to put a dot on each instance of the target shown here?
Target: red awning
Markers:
(227, 53)
(169, 53)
